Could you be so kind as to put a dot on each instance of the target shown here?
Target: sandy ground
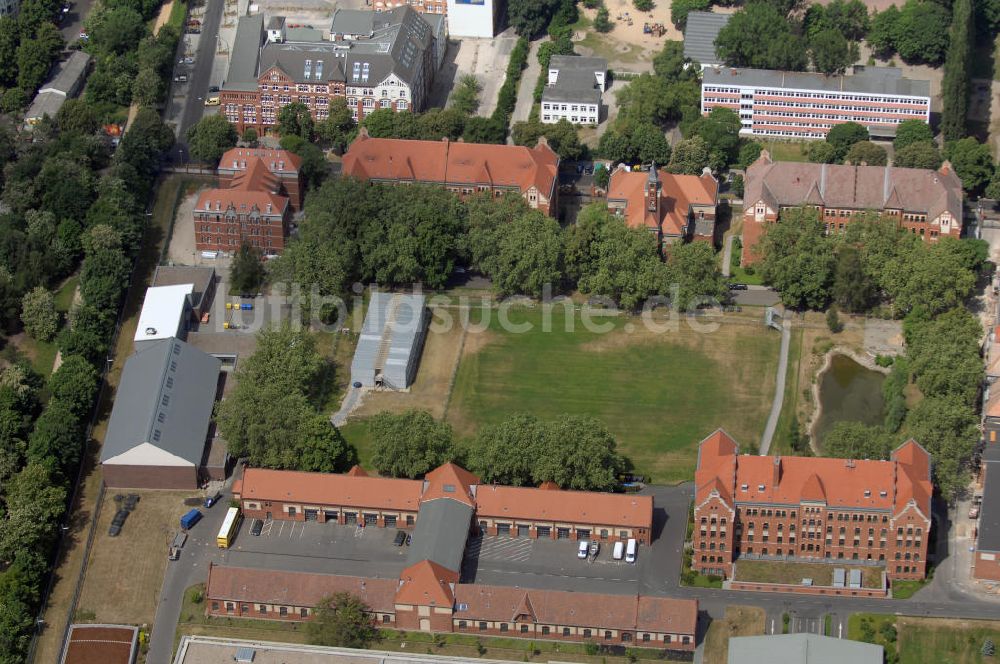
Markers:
(124, 573)
(182, 249)
(486, 59)
(622, 10)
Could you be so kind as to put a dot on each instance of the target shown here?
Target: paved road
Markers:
(187, 100)
(350, 402)
(73, 21)
(727, 254)
(758, 296)
(527, 86)
(779, 389)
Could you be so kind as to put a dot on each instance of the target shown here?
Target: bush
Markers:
(884, 360)
(833, 320)
(643, 5)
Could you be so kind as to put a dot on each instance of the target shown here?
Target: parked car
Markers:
(974, 512)
(181, 78)
(630, 551)
(400, 538)
(356, 383)
(214, 88)
(582, 549)
(212, 499)
(595, 548)
(212, 101)
(175, 553)
(256, 527)
(737, 287)
(409, 538)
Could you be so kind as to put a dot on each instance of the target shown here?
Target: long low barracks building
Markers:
(544, 512)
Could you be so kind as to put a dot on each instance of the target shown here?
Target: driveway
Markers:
(757, 296)
(529, 77)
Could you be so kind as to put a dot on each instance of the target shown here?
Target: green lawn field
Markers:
(660, 394)
(931, 640)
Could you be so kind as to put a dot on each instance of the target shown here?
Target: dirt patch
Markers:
(476, 340)
(430, 390)
(739, 621)
(125, 573)
(182, 249)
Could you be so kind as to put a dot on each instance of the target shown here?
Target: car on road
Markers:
(356, 384)
(212, 101)
(400, 538)
(214, 88)
(175, 553)
(84, 36)
(595, 548)
(582, 549)
(737, 287)
(212, 499)
(256, 527)
(180, 78)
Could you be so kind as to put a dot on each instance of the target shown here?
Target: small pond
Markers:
(849, 392)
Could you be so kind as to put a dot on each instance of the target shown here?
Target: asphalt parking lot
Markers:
(326, 548)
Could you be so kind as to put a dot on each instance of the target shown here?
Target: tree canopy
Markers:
(342, 620)
(410, 444)
(798, 259)
(209, 139)
(759, 36)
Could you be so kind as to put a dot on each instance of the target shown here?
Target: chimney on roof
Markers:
(776, 471)
(945, 168)
(363, 132)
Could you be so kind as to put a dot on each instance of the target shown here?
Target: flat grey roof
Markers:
(989, 515)
(245, 51)
(165, 398)
(576, 81)
(699, 36)
(67, 74)
(868, 80)
(173, 275)
(45, 103)
(441, 533)
(352, 22)
(801, 649)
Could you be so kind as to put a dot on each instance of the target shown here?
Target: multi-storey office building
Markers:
(373, 59)
(806, 105)
(808, 509)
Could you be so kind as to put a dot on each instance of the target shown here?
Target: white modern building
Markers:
(472, 18)
(573, 90)
(807, 105)
(165, 312)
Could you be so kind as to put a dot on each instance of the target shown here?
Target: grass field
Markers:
(792, 573)
(928, 640)
(659, 393)
(781, 444)
(786, 150)
(739, 621)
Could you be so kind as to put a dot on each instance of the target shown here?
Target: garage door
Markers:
(331, 515)
(503, 529)
(522, 530)
(562, 533)
(583, 533)
(544, 531)
(390, 522)
(312, 515)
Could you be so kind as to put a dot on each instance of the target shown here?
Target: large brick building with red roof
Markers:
(811, 509)
(674, 208)
(258, 191)
(462, 168)
(443, 509)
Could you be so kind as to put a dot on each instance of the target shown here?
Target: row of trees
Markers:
(916, 32)
(29, 44)
(397, 236)
(574, 452)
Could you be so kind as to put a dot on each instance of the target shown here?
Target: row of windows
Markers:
(575, 119)
(232, 241)
(587, 633)
(569, 107)
(233, 229)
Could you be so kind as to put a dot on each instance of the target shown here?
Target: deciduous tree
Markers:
(798, 259)
(342, 620)
(410, 444)
(39, 315)
(866, 153)
(209, 139)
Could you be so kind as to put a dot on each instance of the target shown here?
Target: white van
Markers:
(618, 550)
(630, 551)
(582, 549)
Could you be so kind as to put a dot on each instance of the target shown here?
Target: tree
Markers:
(749, 153)
(844, 135)
(831, 52)
(972, 162)
(821, 152)
(315, 168)
(103, 278)
(602, 177)
(909, 132)
(852, 287)
(247, 273)
(643, 5)
(295, 119)
(505, 453)
(760, 36)
(209, 139)
(77, 116)
(854, 440)
(465, 97)
(849, 18)
(693, 274)
(35, 56)
(919, 35)
(56, 441)
(523, 255)
(484, 130)
(679, 10)
(866, 153)
(561, 137)
(250, 135)
(34, 504)
(797, 259)
(948, 430)
(635, 142)
(690, 156)
(342, 620)
(148, 88)
(918, 155)
(882, 34)
(530, 17)
(933, 277)
(410, 444)
(579, 453)
(720, 130)
(338, 126)
(957, 72)
(115, 31)
(602, 20)
(833, 322)
(13, 100)
(74, 383)
(39, 315)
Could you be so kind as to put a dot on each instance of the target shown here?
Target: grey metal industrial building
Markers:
(392, 338)
(160, 421)
(801, 649)
(65, 82)
(699, 37)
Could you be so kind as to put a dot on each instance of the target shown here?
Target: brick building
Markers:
(808, 105)
(675, 208)
(986, 558)
(924, 202)
(462, 168)
(429, 598)
(259, 190)
(807, 509)
(383, 59)
(394, 503)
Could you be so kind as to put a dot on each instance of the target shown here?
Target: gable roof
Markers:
(914, 190)
(441, 532)
(576, 80)
(508, 502)
(427, 583)
(450, 481)
(453, 162)
(323, 488)
(164, 402)
(677, 194)
(700, 32)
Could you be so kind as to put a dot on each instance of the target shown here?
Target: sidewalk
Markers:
(529, 77)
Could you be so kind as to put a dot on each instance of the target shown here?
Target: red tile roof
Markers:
(579, 609)
(331, 489)
(279, 161)
(100, 644)
(677, 194)
(427, 584)
(508, 502)
(266, 586)
(450, 481)
(255, 181)
(453, 162)
(842, 483)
